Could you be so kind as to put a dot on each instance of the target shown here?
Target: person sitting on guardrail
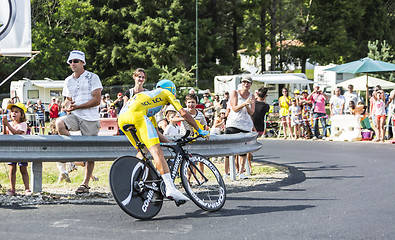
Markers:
(141, 114)
(242, 106)
(17, 126)
(82, 90)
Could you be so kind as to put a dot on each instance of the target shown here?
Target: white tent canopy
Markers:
(359, 83)
(285, 78)
(50, 84)
(280, 79)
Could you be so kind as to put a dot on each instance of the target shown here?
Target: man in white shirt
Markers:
(350, 95)
(337, 102)
(82, 90)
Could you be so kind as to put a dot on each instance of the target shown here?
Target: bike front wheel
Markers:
(133, 185)
(203, 183)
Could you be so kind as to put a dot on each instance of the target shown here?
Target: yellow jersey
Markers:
(141, 113)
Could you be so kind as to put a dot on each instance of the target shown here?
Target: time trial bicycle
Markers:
(138, 187)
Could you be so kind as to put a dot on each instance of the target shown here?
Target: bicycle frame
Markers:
(181, 155)
(175, 146)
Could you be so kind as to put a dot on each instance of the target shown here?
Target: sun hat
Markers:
(170, 108)
(19, 105)
(246, 79)
(222, 111)
(76, 54)
(119, 94)
(296, 91)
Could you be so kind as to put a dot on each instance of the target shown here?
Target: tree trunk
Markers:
(263, 37)
(273, 33)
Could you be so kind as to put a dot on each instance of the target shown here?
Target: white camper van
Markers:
(328, 80)
(273, 81)
(32, 90)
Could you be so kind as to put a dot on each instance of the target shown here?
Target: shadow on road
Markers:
(240, 211)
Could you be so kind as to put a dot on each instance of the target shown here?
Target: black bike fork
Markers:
(187, 157)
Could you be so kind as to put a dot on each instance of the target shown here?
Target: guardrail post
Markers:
(36, 176)
(232, 167)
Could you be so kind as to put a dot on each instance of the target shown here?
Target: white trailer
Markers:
(273, 81)
(32, 90)
(328, 80)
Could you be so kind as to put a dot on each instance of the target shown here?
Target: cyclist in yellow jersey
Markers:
(141, 114)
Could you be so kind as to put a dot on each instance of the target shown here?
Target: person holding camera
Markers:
(319, 112)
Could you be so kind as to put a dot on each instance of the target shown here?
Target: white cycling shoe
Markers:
(176, 195)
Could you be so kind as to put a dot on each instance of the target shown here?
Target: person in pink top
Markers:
(17, 126)
(319, 112)
(380, 114)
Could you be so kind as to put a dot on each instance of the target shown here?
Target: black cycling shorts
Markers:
(233, 130)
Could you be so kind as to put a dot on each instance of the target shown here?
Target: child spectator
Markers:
(306, 106)
(172, 128)
(40, 116)
(298, 97)
(111, 112)
(191, 102)
(296, 117)
(17, 126)
(53, 109)
(380, 114)
(62, 110)
(219, 123)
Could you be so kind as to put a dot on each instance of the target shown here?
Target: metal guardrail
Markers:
(38, 149)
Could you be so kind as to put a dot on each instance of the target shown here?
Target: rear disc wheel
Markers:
(128, 185)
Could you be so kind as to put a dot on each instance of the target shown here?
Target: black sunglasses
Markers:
(74, 61)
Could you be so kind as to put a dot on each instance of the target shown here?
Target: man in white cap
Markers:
(82, 90)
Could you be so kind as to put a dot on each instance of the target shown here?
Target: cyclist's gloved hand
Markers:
(204, 133)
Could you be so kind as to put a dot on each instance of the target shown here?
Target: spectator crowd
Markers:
(300, 115)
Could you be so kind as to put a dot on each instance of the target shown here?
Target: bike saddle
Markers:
(128, 127)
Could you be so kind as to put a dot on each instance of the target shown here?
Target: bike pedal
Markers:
(180, 202)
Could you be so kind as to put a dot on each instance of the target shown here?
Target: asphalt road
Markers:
(336, 191)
